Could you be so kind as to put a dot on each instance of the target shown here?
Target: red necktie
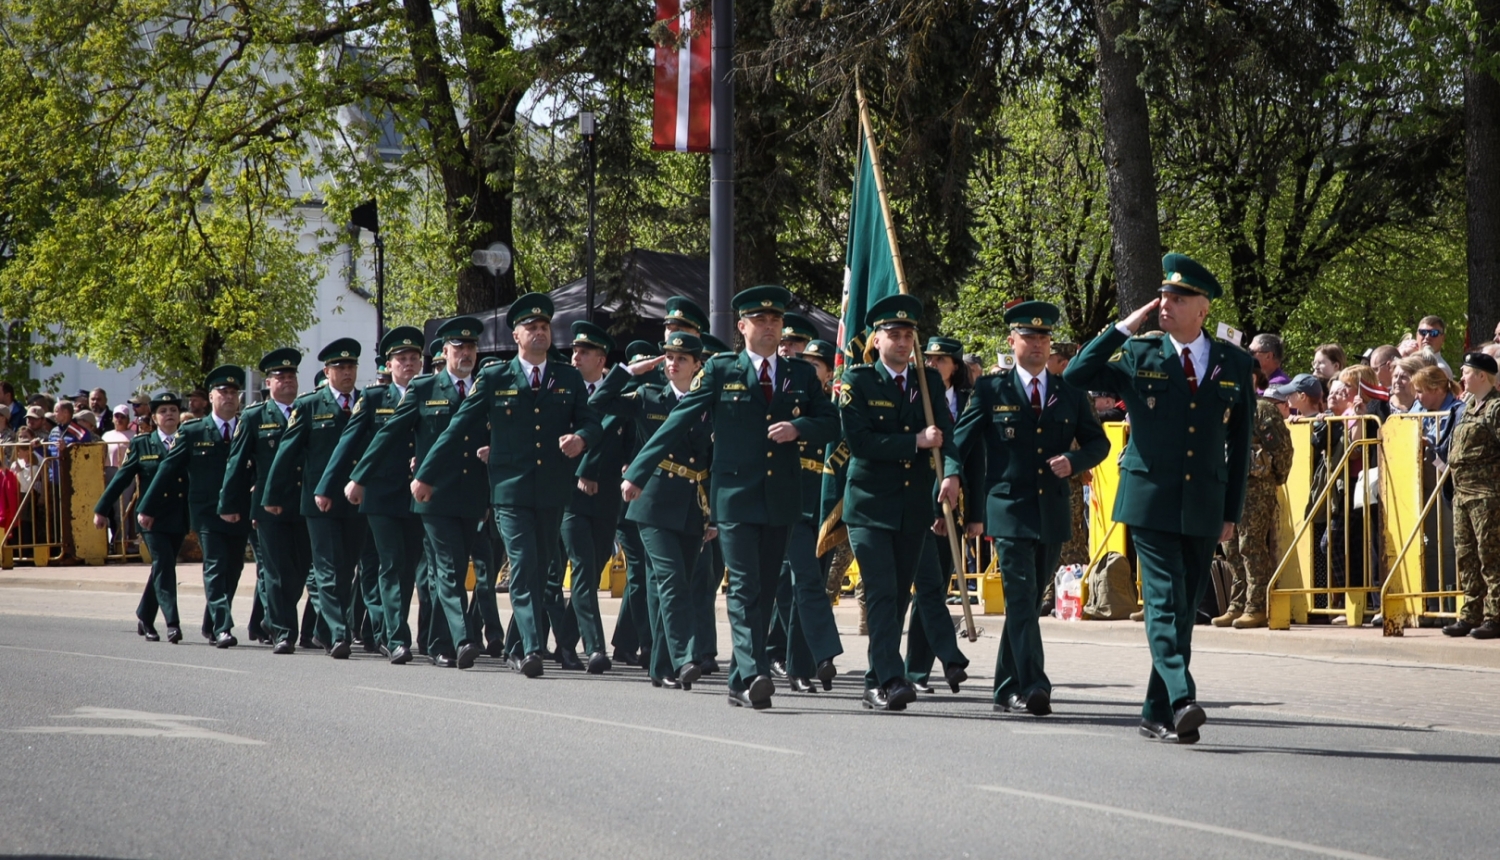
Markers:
(766, 388)
(344, 403)
(536, 378)
(460, 389)
(1036, 394)
(226, 431)
(1189, 371)
(900, 379)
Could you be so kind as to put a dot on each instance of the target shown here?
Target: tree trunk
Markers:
(1482, 172)
(1135, 233)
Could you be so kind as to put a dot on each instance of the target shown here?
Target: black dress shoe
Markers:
(803, 685)
(514, 662)
(668, 682)
(442, 661)
(309, 643)
(496, 648)
(151, 635)
(569, 660)
(826, 673)
(689, 674)
(146, 630)
(285, 646)
(921, 687)
(467, 653)
(760, 691)
(174, 635)
(140, 627)
(778, 669)
(1488, 630)
(531, 665)
(1038, 703)
(709, 666)
(1459, 628)
(1188, 719)
(955, 676)
(624, 659)
(1158, 731)
(401, 656)
(874, 699)
(225, 640)
(599, 664)
(741, 699)
(340, 650)
(385, 652)
(899, 694)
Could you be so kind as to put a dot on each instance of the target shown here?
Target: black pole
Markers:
(721, 177)
(588, 144)
(379, 289)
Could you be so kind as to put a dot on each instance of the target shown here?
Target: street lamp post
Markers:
(586, 129)
(367, 216)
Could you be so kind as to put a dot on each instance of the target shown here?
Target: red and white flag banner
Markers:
(682, 113)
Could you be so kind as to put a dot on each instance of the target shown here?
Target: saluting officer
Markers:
(335, 530)
(539, 422)
(759, 405)
(888, 504)
(168, 528)
(1025, 421)
(200, 455)
(453, 505)
(283, 555)
(588, 524)
(1190, 401)
(673, 511)
(385, 495)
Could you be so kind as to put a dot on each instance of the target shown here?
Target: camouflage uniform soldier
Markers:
(1474, 457)
(1252, 553)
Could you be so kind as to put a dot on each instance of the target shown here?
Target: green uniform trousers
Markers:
(632, 625)
(590, 542)
(398, 541)
(223, 562)
(1020, 668)
(753, 554)
(372, 616)
(674, 567)
(1174, 573)
(487, 566)
(813, 635)
(161, 585)
(530, 535)
(888, 562)
(453, 542)
(336, 544)
(930, 634)
(705, 599)
(284, 559)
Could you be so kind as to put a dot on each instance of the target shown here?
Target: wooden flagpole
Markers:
(954, 547)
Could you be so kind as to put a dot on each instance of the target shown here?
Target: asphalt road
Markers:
(113, 747)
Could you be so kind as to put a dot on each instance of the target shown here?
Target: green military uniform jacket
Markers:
(411, 432)
(310, 439)
(256, 441)
(388, 484)
(142, 460)
(754, 479)
(603, 464)
(890, 482)
(1185, 468)
(1020, 496)
(677, 498)
(526, 467)
(200, 455)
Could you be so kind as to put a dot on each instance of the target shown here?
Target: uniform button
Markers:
(507, 412)
(539, 462)
(1192, 429)
(768, 418)
(537, 410)
(466, 471)
(1038, 429)
(905, 427)
(906, 483)
(537, 427)
(1190, 453)
(907, 465)
(539, 444)
(1039, 450)
(1039, 492)
(770, 453)
(1192, 406)
(1039, 471)
(768, 472)
(1187, 477)
(691, 460)
(466, 438)
(466, 453)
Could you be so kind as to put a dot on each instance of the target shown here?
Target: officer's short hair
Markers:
(1433, 321)
(1268, 342)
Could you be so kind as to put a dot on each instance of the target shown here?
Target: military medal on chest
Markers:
(1010, 432)
(1150, 402)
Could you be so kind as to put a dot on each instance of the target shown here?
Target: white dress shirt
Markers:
(468, 383)
(526, 367)
(757, 360)
(1026, 378)
(1198, 349)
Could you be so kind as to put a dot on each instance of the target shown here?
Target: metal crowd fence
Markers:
(47, 501)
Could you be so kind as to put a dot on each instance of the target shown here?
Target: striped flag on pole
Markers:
(682, 114)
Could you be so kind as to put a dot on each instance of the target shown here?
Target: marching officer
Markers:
(888, 495)
(168, 529)
(539, 422)
(632, 636)
(452, 507)
(759, 405)
(335, 530)
(1190, 401)
(588, 524)
(1025, 420)
(200, 454)
(385, 495)
(283, 555)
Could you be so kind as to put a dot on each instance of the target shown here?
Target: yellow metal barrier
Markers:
(34, 530)
(1421, 584)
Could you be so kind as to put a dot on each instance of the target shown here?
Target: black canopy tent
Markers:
(632, 308)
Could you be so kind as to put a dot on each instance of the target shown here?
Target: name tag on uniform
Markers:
(560, 391)
(507, 392)
(322, 417)
(1007, 409)
(650, 417)
(1150, 374)
(736, 386)
(271, 426)
(150, 456)
(882, 403)
(436, 403)
(1228, 383)
(204, 444)
(385, 412)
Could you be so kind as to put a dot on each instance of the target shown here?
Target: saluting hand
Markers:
(420, 491)
(629, 492)
(571, 445)
(1137, 319)
(930, 437)
(354, 493)
(645, 364)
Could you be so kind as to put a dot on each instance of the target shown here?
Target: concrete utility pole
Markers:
(721, 178)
